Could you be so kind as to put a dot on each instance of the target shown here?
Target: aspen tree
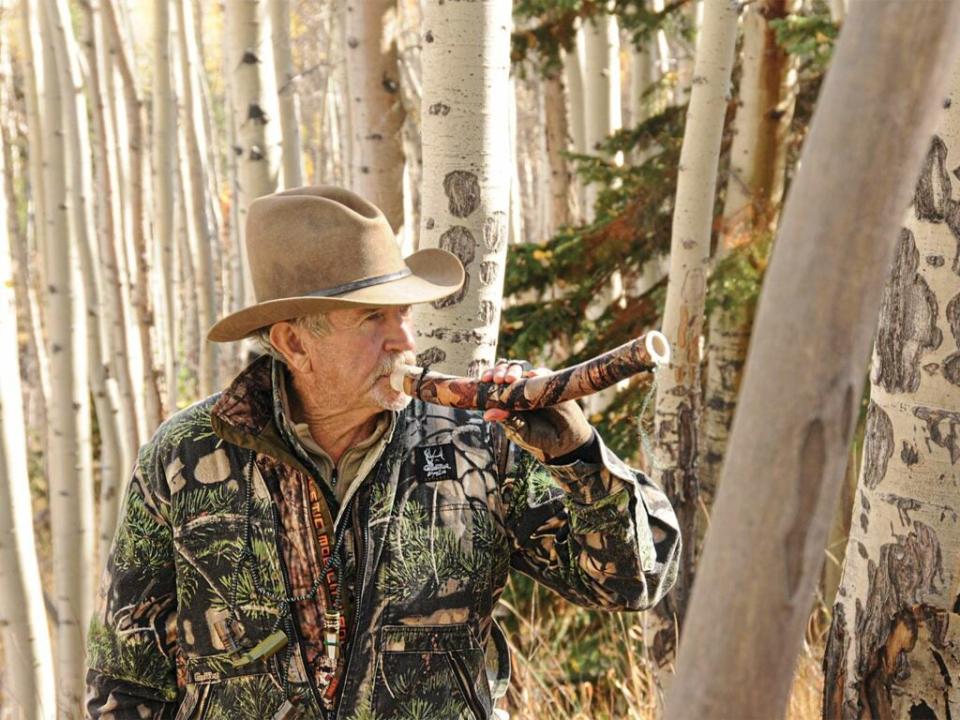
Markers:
(135, 148)
(28, 658)
(374, 104)
(409, 17)
(678, 403)
(811, 342)
(751, 208)
(163, 161)
(196, 203)
(27, 655)
(114, 307)
(79, 200)
(897, 595)
(573, 70)
(33, 82)
(248, 55)
(465, 177)
(563, 198)
(601, 83)
(289, 98)
(69, 471)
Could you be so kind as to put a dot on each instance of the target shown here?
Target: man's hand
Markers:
(548, 433)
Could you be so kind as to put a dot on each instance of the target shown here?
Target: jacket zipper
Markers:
(288, 591)
(361, 572)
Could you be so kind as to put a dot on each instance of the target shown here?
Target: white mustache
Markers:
(388, 363)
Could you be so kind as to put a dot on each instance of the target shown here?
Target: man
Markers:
(310, 544)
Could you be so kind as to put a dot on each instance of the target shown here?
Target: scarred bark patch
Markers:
(933, 188)
(943, 429)
(878, 445)
(835, 665)
(488, 272)
(907, 572)
(431, 356)
(463, 192)
(908, 321)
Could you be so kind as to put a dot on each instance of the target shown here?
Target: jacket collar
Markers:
(246, 406)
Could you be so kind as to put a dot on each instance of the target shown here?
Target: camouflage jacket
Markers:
(217, 599)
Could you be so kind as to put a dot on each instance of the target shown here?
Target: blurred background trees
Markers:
(617, 166)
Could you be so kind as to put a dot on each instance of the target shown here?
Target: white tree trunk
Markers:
(164, 158)
(898, 592)
(374, 104)
(113, 306)
(28, 658)
(409, 17)
(249, 58)
(153, 406)
(815, 324)
(754, 193)
(601, 83)
(466, 177)
(288, 96)
(197, 205)
(678, 385)
(68, 463)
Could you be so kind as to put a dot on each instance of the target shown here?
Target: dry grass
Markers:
(575, 664)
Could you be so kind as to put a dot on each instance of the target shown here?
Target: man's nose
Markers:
(400, 337)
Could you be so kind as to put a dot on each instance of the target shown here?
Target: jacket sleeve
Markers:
(597, 532)
(131, 643)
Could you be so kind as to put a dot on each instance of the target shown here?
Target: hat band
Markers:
(358, 284)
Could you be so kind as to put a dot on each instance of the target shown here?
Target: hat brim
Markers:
(434, 274)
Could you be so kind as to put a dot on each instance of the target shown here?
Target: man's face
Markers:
(355, 359)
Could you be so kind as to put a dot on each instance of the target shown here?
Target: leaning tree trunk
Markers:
(574, 61)
(815, 323)
(23, 623)
(466, 177)
(288, 97)
(754, 192)
(70, 480)
(375, 107)
(898, 592)
(678, 385)
(249, 58)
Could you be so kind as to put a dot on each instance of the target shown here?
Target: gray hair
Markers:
(318, 324)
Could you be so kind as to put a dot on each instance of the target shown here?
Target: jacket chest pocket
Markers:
(444, 555)
(430, 671)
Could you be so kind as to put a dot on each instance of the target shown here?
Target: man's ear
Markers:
(286, 338)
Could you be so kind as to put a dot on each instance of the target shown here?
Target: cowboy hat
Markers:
(317, 248)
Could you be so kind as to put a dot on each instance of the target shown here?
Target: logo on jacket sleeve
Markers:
(436, 462)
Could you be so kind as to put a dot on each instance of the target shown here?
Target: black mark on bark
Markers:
(486, 313)
(877, 445)
(249, 57)
(352, 42)
(903, 505)
(439, 109)
(389, 84)
(943, 429)
(835, 665)
(951, 364)
(431, 356)
(488, 272)
(908, 454)
(495, 230)
(428, 36)
(461, 243)
(475, 367)
(908, 321)
(864, 522)
(463, 192)
(457, 336)
(808, 486)
(935, 260)
(933, 189)
(257, 114)
(430, 224)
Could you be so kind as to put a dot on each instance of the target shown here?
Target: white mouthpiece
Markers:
(660, 355)
(401, 371)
